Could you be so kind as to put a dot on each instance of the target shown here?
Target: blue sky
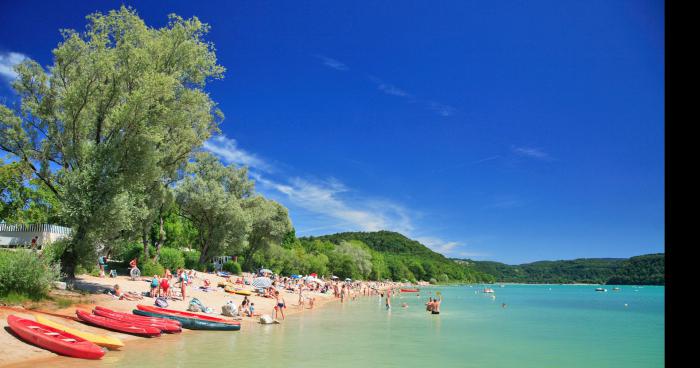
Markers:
(511, 131)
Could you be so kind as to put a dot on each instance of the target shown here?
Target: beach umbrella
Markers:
(296, 276)
(265, 270)
(334, 277)
(261, 282)
(348, 279)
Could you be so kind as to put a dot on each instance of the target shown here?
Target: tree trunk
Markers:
(203, 255)
(161, 239)
(69, 258)
(144, 238)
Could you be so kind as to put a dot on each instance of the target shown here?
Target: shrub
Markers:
(192, 260)
(149, 267)
(233, 267)
(171, 258)
(24, 272)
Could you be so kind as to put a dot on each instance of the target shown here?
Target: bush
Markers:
(192, 260)
(24, 272)
(149, 268)
(171, 258)
(233, 267)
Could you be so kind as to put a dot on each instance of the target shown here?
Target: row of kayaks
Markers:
(146, 321)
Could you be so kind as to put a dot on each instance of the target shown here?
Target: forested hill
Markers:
(397, 257)
(641, 270)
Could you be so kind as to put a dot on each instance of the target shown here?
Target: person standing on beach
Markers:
(279, 307)
(301, 297)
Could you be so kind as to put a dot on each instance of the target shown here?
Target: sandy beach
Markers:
(18, 353)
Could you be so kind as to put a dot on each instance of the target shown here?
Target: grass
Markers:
(63, 302)
(15, 298)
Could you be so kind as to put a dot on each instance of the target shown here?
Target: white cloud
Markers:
(393, 90)
(332, 63)
(531, 152)
(438, 245)
(228, 151)
(330, 198)
(8, 60)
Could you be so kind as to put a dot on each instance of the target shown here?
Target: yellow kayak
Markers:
(109, 342)
(230, 289)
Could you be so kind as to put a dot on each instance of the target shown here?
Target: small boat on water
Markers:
(601, 289)
(108, 342)
(488, 290)
(409, 290)
(53, 339)
(112, 324)
(616, 289)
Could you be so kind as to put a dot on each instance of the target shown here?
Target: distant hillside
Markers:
(640, 270)
(397, 257)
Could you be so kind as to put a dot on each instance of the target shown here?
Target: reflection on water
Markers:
(567, 326)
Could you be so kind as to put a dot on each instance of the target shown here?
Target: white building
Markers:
(34, 235)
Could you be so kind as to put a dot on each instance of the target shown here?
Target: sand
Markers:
(16, 352)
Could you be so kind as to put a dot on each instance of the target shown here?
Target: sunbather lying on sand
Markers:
(126, 296)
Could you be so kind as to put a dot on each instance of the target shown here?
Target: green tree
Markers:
(269, 223)
(118, 113)
(23, 199)
(211, 196)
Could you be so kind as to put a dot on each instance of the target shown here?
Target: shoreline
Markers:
(23, 354)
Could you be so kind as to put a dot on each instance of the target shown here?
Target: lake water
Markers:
(541, 326)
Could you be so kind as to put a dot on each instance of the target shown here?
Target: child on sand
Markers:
(279, 307)
(154, 286)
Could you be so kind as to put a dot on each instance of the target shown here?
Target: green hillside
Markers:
(397, 257)
(640, 270)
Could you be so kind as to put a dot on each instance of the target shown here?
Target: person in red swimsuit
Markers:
(164, 287)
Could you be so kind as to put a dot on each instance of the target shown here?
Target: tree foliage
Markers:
(111, 121)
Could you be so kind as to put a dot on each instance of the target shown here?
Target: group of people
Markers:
(162, 287)
(433, 305)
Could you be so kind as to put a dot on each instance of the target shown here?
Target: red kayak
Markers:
(112, 324)
(53, 339)
(163, 326)
(171, 312)
(128, 317)
(409, 290)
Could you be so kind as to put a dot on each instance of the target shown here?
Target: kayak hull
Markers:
(158, 310)
(164, 324)
(128, 316)
(191, 323)
(54, 340)
(119, 326)
(409, 290)
(108, 342)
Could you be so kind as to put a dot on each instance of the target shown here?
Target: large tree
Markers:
(111, 121)
(269, 225)
(211, 197)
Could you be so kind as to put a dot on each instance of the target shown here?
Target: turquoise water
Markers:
(541, 326)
